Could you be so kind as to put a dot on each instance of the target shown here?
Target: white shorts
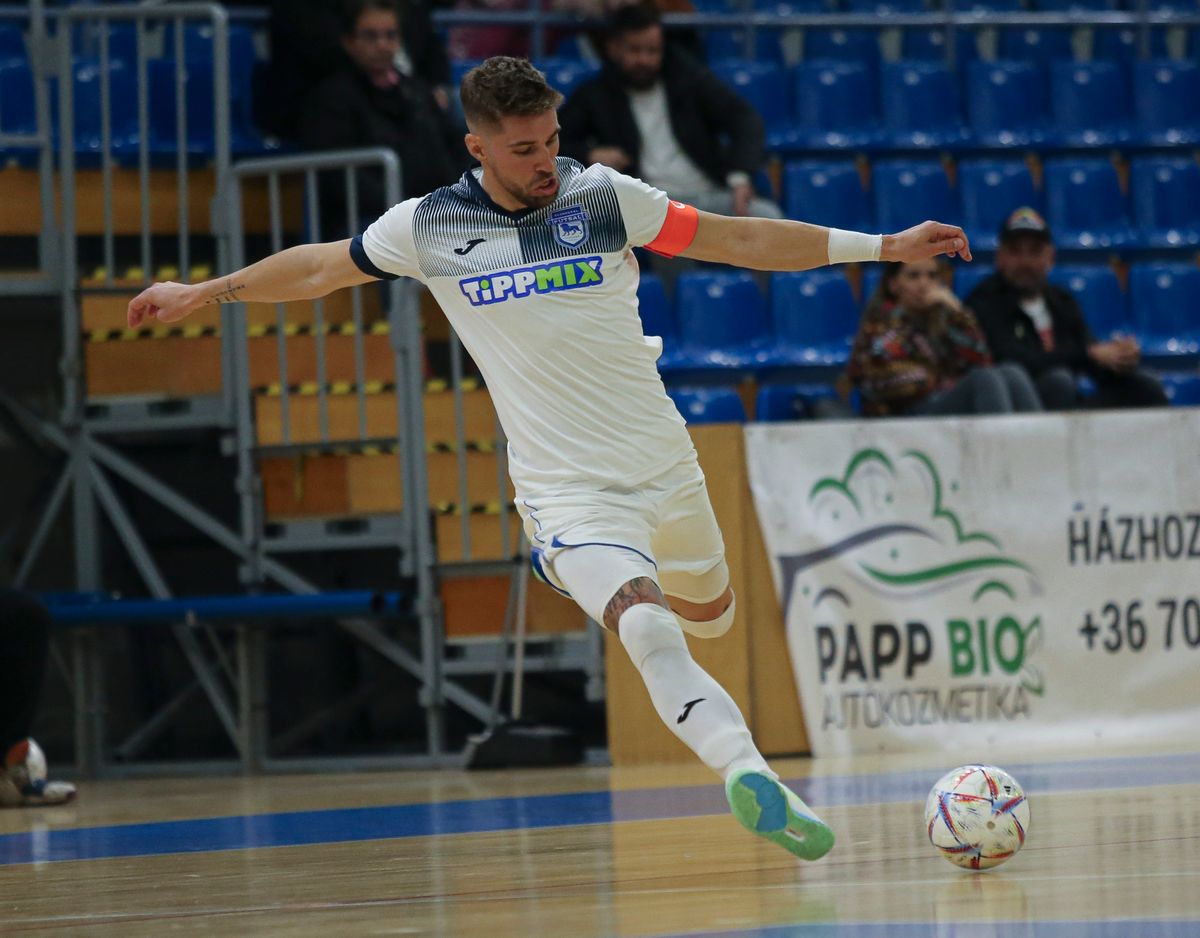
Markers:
(663, 529)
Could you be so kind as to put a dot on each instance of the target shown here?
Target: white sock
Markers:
(692, 705)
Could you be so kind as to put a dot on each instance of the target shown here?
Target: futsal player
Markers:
(24, 648)
(530, 256)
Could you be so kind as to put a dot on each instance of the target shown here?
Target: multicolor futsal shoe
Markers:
(23, 782)
(766, 807)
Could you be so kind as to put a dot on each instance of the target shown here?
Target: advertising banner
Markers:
(1025, 581)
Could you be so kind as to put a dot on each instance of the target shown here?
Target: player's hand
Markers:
(164, 302)
(928, 239)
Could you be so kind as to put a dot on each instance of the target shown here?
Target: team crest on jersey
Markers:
(570, 226)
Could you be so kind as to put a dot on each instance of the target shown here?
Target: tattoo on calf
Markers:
(227, 295)
(640, 589)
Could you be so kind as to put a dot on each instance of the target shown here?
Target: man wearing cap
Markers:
(1029, 321)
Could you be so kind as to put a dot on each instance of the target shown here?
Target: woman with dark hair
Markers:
(919, 351)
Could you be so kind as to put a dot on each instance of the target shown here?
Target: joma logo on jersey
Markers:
(544, 278)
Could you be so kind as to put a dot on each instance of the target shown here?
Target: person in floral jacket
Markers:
(919, 352)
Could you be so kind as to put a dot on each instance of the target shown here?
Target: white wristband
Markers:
(848, 246)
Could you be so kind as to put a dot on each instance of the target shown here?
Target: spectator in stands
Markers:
(685, 38)
(305, 50)
(24, 648)
(369, 102)
(920, 352)
(657, 114)
(1031, 322)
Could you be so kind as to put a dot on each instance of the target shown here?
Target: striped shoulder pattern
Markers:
(449, 218)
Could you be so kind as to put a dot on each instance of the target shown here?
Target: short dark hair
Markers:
(633, 18)
(353, 9)
(503, 86)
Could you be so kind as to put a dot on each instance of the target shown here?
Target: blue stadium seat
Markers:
(765, 87)
(837, 44)
(921, 106)
(787, 402)
(722, 321)
(708, 405)
(1183, 389)
(1007, 103)
(884, 7)
(1084, 204)
(565, 74)
(17, 114)
(1105, 305)
(928, 43)
(1121, 44)
(87, 94)
(122, 41)
(198, 112)
(1166, 200)
(658, 319)
(829, 193)
(909, 191)
(1163, 297)
(987, 6)
(1168, 102)
(1090, 102)
(991, 190)
(968, 276)
(770, 45)
(12, 44)
(836, 106)
(655, 309)
(722, 44)
(1037, 44)
(1071, 6)
(815, 316)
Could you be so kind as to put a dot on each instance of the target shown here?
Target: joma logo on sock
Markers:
(544, 278)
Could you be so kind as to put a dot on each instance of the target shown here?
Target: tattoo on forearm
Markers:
(228, 294)
(640, 589)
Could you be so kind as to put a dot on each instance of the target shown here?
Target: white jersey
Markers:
(545, 300)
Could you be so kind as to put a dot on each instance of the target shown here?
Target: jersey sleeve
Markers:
(652, 219)
(387, 249)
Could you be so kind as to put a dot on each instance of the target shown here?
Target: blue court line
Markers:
(340, 825)
(1120, 928)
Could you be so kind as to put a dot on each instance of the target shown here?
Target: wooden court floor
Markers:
(1113, 850)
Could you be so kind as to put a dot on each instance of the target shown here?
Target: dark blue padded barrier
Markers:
(77, 609)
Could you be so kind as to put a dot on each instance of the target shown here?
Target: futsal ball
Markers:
(977, 816)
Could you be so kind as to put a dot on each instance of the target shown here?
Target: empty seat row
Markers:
(721, 321)
(866, 44)
(921, 6)
(916, 105)
(17, 115)
(1083, 199)
(790, 402)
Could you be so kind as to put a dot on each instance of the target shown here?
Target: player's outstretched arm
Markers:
(299, 273)
(775, 244)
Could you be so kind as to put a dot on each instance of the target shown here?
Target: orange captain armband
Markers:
(678, 230)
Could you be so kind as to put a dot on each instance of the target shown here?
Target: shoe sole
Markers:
(762, 807)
